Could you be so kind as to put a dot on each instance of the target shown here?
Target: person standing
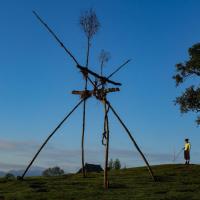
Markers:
(187, 148)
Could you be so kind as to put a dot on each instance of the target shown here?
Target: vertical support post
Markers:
(84, 112)
(82, 141)
(133, 140)
(106, 130)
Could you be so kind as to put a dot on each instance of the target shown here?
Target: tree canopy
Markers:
(9, 176)
(89, 23)
(117, 164)
(55, 171)
(190, 98)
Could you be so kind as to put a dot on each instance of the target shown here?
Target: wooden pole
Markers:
(84, 112)
(82, 141)
(125, 63)
(59, 41)
(108, 77)
(106, 130)
(103, 79)
(56, 37)
(133, 140)
(48, 138)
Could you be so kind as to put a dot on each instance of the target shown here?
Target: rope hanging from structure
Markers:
(104, 134)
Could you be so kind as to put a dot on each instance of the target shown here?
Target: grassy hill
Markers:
(175, 182)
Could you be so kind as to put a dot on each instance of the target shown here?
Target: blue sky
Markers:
(37, 78)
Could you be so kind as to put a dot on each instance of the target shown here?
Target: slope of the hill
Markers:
(175, 182)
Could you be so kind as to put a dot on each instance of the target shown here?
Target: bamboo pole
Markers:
(133, 140)
(48, 138)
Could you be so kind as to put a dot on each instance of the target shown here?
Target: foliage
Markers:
(104, 57)
(89, 23)
(117, 164)
(110, 164)
(190, 98)
(55, 171)
(9, 176)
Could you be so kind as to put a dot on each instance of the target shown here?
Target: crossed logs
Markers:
(99, 90)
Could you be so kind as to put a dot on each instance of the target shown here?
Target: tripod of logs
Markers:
(100, 90)
(101, 95)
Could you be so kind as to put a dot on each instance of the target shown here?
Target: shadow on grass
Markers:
(164, 179)
(117, 186)
(38, 187)
(2, 197)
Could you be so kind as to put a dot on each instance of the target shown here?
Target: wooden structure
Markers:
(91, 168)
(100, 89)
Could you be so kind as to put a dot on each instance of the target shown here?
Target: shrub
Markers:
(54, 171)
(9, 176)
(117, 164)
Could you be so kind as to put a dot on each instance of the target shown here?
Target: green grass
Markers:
(175, 182)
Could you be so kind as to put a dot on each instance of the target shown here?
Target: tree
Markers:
(9, 176)
(110, 164)
(89, 23)
(117, 164)
(55, 171)
(190, 98)
(104, 57)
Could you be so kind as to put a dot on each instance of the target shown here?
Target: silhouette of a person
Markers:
(187, 148)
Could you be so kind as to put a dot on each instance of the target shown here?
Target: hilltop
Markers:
(175, 182)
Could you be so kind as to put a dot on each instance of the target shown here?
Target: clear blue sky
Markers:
(37, 77)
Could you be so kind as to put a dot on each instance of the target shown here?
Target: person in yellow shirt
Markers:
(187, 148)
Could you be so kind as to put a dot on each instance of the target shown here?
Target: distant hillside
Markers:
(34, 171)
(175, 182)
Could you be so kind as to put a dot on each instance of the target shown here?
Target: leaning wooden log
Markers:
(56, 37)
(133, 140)
(49, 137)
(103, 79)
(120, 67)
